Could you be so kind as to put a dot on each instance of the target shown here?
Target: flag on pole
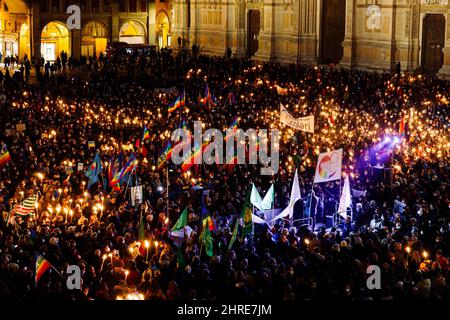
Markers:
(246, 215)
(27, 207)
(194, 158)
(269, 199)
(114, 172)
(146, 134)
(234, 234)
(208, 242)
(182, 221)
(258, 220)
(208, 223)
(128, 167)
(329, 166)
(165, 154)
(346, 198)
(177, 103)
(209, 97)
(5, 157)
(94, 170)
(42, 265)
(255, 198)
(232, 129)
(295, 196)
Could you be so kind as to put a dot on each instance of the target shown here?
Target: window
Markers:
(95, 5)
(143, 5)
(43, 5)
(83, 5)
(106, 5)
(55, 5)
(132, 6)
(122, 6)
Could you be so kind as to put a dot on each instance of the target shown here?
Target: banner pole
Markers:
(167, 189)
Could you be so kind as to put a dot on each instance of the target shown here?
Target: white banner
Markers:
(358, 193)
(329, 166)
(136, 196)
(303, 124)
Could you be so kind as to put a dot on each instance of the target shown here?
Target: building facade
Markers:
(367, 34)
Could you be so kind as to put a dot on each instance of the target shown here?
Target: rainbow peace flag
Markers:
(178, 103)
(165, 153)
(146, 134)
(191, 160)
(42, 265)
(233, 128)
(128, 167)
(5, 157)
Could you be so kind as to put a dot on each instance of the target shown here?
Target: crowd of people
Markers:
(399, 218)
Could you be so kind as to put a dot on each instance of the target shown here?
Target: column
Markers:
(115, 28)
(308, 32)
(349, 40)
(445, 70)
(36, 30)
(151, 35)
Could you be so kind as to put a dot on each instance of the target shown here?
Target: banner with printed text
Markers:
(303, 124)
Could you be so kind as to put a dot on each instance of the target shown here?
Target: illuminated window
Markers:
(132, 6)
(143, 5)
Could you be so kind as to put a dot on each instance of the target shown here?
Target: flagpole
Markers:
(310, 201)
(167, 189)
(129, 178)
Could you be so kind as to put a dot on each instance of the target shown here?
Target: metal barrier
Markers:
(309, 222)
(338, 219)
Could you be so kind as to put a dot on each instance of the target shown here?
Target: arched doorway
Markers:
(163, 29)
(132, 32)
(14, 37)
(333, 31)
(253, 27)
(55, 38)
(433, 37)
(94, 38)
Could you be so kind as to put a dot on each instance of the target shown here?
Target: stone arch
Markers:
(55, 38)
(94, 38)
(163, 28)
(132, 32)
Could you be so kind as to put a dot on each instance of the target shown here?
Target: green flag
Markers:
(141, 229)
(234, 234)
(246, 214)
(208, 242)
(180, 258)
(182, 221)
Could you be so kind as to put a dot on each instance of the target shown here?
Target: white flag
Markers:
(329, 166)
(268, 200)
(303, 124)
(295, 196)
(255, 198)
(258, 220)
(346, 198)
